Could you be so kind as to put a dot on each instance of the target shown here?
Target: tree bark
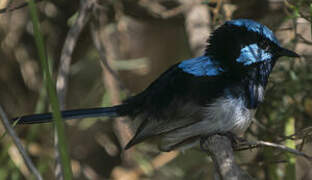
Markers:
(221, 151)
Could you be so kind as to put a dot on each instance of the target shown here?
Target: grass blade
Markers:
(50, 85)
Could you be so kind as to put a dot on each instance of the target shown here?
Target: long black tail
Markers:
(70, 114)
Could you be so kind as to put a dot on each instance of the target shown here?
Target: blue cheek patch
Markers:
(252, 54)
(256, 27)
(201, 66)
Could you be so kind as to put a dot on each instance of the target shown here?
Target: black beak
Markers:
(286, 52)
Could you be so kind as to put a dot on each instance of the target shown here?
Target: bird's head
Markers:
(243, 45)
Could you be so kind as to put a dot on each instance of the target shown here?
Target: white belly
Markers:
(224, 115)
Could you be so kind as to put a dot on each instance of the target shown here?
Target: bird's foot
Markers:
(235, 140)
(202, 143)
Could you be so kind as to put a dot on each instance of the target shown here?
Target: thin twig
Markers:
(100, 49)
(294, 6)
(256, 144)
(8, 9)
(305, 17)
(68, 48)
(304, 40)
(158, 10)
(19, 146)
(301, 134)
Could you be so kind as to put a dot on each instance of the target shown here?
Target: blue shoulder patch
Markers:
(201, 66)
(256, 27)
(253, 53)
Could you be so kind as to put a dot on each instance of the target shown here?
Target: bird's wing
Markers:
(172, 101)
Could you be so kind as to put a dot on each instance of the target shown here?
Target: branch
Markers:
(19, 146)
(250, 145)
(220, 149)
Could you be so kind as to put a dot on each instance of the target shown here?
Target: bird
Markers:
(217, 92)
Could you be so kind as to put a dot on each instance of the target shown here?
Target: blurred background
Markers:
(116, 48)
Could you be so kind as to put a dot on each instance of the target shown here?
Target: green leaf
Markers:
(72, 19)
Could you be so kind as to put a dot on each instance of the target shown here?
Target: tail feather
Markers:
(70, 114)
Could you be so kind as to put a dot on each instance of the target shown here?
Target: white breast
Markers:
(228, 114)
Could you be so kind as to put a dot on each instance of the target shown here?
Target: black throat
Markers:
(255, 82)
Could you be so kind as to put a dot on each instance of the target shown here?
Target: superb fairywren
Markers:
(214, 93)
